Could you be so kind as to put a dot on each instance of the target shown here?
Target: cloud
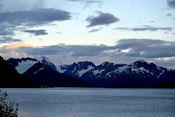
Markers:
(34, 17)
(146, 28)
(8, 40)
(146, 48)
(18, 45)
(94, 30)
(73, 50)
(6, 29)
(101, 19)
(87, 2)
(125, 51)
(169, 15)
(9, 21)
(36, 32)
(21, 5)
(171, 3)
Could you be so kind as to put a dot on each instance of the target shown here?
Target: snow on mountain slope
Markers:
(81, 72)
(47, 62)
(95, 72)
(76, 69)
(23, 66)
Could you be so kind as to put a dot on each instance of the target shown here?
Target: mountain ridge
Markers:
(137, 74)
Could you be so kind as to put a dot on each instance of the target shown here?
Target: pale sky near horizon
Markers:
(65, 31)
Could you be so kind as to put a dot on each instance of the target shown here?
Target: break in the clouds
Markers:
(36, 32)
(21, 5)
(146, 28)
(171, 3)
(8, 40)
(34, 17)
(101, 19)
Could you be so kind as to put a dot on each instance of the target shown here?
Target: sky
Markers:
(67, 31)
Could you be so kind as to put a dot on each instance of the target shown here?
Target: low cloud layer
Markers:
(73, 50)
(126, 50)
(147, 48)
(36, 32)
(171, 3)
(101, 19)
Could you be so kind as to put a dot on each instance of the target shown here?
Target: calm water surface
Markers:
(94, 102)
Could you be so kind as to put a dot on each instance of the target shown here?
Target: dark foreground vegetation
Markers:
(7, 108)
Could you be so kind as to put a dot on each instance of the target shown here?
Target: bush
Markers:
(7, 108)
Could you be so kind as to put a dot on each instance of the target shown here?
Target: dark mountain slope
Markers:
(46, 76)
(9, 78)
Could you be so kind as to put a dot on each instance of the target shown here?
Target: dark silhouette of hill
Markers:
(9, 78)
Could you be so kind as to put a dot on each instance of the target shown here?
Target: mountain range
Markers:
(87, 74)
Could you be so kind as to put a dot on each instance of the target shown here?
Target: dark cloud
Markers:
(73, 50)
(36, 32)
(171, 3)
(6, 29)
(34, 17)
(8, 40)
(147, 48)
(9, 21)
(94, 30)
(146, 28)
(169, 15)
(102, 19)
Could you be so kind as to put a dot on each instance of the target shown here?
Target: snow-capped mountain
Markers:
(23, 64)
(47, 62)
(111, 70)
(137, 74)
(76, 69)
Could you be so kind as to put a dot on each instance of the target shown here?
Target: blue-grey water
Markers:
(94, 102)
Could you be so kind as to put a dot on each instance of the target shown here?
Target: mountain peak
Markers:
(140, 62)
(45, 61)
(106, 63)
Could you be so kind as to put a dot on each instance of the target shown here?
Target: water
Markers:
(94, 102)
